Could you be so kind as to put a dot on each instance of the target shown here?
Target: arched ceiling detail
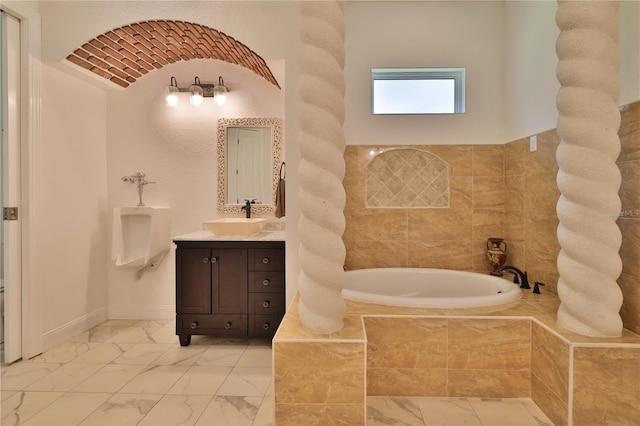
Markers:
(125, 54)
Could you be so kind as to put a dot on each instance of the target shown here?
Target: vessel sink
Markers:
(236, 226)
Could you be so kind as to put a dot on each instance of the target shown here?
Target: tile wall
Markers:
(465, 357)
(496, 191)
(451, 238)
(550, 373)
(629, 221)
(516, 351)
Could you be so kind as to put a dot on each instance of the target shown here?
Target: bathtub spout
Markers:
(524, 280)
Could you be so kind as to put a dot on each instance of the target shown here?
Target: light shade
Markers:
(220, 92)
(172, 93)
(196, 93)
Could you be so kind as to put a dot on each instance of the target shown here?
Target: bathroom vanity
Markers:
(229, 287)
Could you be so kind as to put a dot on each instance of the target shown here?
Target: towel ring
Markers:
(282, 168)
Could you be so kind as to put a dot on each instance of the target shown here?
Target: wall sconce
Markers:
(220, 92)
(172, 92)
(197, 92)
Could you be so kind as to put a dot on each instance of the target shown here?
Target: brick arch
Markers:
(125, 54)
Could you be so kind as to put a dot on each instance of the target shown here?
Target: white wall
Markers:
(177, 149)
(465, 34)
(73, 173)
(629, 46)
(531, 85)
(530, 68)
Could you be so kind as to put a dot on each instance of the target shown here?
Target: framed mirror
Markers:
(249, 158)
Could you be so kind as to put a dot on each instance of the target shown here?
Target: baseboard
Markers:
(142, 312)
(72, 328)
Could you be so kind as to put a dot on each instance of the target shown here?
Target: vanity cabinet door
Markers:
(229, 281)
(193, 277)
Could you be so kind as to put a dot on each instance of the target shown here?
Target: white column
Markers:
(321, 169)
(588, 178)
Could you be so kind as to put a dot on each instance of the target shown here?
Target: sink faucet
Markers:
(247, 207)
(524, 280)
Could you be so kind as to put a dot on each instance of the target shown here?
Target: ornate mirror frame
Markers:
(275, 124)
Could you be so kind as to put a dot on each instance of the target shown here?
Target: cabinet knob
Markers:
(205, 260)
(265, 326)
(214, 259)
(194, 325)
(265, 260)
(265, 304)
(265, 282)
(227, 325)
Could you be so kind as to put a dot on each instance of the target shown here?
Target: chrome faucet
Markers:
(139, 178)
(247, 207)
(517, 273)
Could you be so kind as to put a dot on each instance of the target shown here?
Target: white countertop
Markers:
(206, 235)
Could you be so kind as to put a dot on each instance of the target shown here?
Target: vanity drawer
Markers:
(266, 282)
(266, 303)
(263, 325)
(215, 324)
(266, 260)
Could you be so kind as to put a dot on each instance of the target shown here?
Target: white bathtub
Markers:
(428, 288)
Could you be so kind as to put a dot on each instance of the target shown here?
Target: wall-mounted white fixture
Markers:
(197, 92)
(141, 237)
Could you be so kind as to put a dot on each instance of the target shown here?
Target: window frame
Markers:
(456, 74)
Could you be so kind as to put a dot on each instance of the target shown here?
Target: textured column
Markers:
(321, 169)
(588, 179)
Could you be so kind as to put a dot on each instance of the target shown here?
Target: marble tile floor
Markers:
(135, 373)
(412, 411)
(129, 372)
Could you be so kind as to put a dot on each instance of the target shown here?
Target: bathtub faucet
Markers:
(524, 280)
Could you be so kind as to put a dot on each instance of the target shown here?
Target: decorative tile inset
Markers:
(407, 178)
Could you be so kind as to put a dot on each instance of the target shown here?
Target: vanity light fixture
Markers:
(197, 92)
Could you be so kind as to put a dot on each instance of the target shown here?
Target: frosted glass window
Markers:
(418, 90)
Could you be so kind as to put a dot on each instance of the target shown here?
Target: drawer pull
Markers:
(194, 325)
(265, 304)
(214, 259)
(227, 325)
(265, 282)
(265, 260)
(265, 326)
(205, 260)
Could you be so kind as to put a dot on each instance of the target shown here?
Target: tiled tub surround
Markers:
(495, 191)
(512, 351)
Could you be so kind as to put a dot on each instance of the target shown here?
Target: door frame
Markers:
(30, 112)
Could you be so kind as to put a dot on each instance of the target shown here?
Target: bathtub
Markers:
(428, 288)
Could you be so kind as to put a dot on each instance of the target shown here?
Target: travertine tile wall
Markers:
(530, 201)
(603, 398)
(496, 191)
(515, 352)
(629, 220)
(321, 380)
(550, 373)
(455, 357)
(450, 238)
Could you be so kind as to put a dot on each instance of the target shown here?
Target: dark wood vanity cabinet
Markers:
(229, 288)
